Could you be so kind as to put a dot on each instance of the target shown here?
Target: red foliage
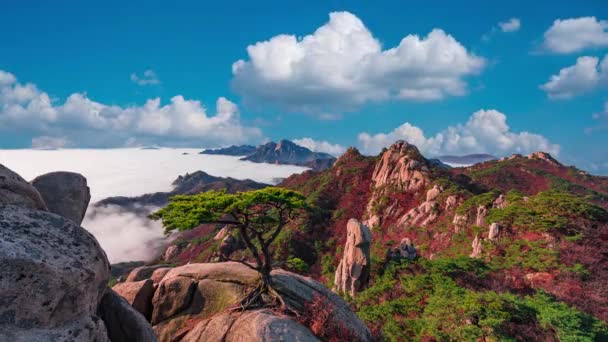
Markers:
(319, 316)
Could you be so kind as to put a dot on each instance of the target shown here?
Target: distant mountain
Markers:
(189, 184)
(287, 152)
(234, 150)
(283, 152)
(466, 160)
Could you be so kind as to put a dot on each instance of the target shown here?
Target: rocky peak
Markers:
(287, 152)
(352, 274)
(402, 165)
(544, 156)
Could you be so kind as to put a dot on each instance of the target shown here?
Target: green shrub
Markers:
(549, 210)
(484, 199)
(431, 305)
(298, 265)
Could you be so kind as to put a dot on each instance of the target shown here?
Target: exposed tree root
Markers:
(255, 300)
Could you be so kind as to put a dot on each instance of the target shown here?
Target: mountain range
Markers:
(282, 152)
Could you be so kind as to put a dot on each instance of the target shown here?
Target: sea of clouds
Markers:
(132, 172)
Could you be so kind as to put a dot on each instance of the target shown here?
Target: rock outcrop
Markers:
(191, 302)
(460, 222)
(143, 272)
(352, 274)
(494, 231)
(256, 325)
(138, 294)
(123, 322)
(426, 212)
(15, 190)
(65, 194)
(53, 274)
(480, 219)
(544, 156)
(500, 202)
(402, 166)
(477, 247)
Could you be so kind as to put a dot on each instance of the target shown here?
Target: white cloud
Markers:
(342, 66)
(577, 79)
(124, 236)
(511, 25)
(576, 34)
(90, 123)
(149, 77)
(486, 131)
(50, 142)
(320, 146)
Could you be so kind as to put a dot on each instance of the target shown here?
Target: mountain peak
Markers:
(404, 148)
(543, 156)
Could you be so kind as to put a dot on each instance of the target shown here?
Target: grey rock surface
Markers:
(65, 194)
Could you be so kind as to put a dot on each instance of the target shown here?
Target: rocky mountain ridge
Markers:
(233, 150)
(281, 152)
(524, 233)
(187, 184)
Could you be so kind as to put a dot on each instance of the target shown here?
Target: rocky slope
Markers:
(515, 248)
(535, 228)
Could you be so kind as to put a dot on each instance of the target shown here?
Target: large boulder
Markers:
(173, 296)
(138, 294)
(299, 292)
(352, 274)
(143, 272)
(53, 274)
(192, 303)
(65, 193)
(15, 190)
(253, 326)
(123, 322)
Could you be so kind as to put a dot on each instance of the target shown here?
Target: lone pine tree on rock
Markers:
(259, 216)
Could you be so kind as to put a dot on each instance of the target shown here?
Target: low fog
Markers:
(131, 172)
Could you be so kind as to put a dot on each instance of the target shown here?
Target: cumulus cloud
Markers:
(149, 77)
(486, 131)
(342, 66)
(321, 146)
(511, 25)
(87, 122)
(576, 34)
(582, 77)
(50, 142)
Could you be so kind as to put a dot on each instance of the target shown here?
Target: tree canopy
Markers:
(256, 209)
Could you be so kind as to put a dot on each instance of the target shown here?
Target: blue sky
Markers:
(454, 88)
